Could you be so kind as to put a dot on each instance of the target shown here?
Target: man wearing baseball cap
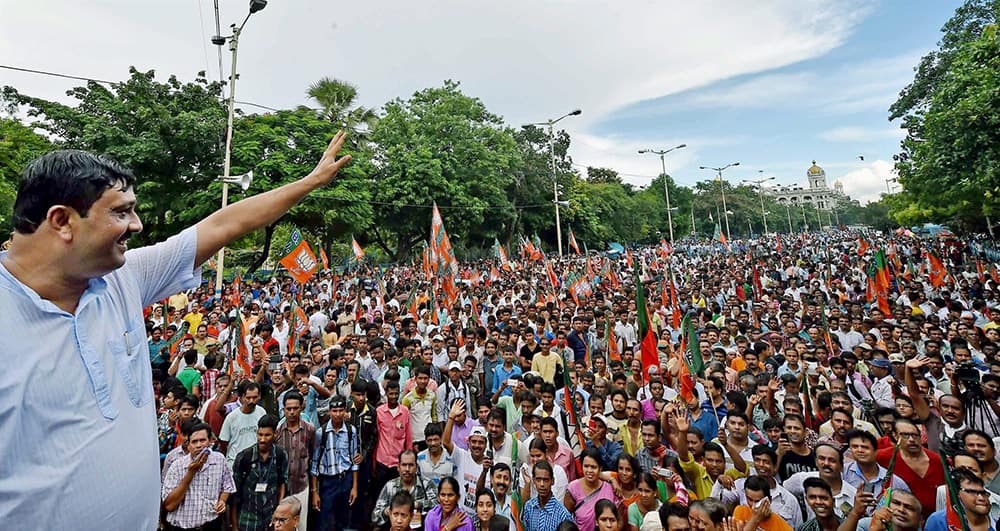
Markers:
(453, 389)
(882, 381)
(469, 464)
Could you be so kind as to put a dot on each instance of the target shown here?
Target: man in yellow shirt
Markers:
(703, 475)
(545, 362)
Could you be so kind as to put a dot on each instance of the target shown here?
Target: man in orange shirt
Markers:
(757, 513)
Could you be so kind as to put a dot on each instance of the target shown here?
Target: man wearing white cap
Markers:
(440, 351)
(452, 389)
(469, 463)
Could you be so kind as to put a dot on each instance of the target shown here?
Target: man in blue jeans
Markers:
(334, 473)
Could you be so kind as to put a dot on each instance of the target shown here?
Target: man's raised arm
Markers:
(252, 213)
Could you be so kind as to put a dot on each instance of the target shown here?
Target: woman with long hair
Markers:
(583, 494)
(447, 516)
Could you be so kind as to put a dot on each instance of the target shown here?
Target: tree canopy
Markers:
(949, 162)
(439, 146)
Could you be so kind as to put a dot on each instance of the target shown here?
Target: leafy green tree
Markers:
(530, 192)
(602, 175)
(280, 148)
(19, 145)
(440, 146)
(169, 133)
(953, 167)
(965, 26)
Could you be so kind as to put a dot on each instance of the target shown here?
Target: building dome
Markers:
(815, 170)
(838, 184)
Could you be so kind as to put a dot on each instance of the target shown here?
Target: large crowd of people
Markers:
(368, 399)
(829, 380)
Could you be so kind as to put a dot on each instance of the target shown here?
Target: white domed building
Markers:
(817, 194)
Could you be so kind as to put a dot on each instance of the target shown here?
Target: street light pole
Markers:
(555, 183)
(234, 42)
(722, 188)
(760, 192)
(788, 210)
(666, 190)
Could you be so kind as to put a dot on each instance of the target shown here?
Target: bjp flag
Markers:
(301, 262)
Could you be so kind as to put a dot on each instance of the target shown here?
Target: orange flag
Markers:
(301, 263)
(359, 253)
(862, 246)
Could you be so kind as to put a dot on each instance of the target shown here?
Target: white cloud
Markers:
(528, 60)
(849, 88)
(861, 134)
(867, 181)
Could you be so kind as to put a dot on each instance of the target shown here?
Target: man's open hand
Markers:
(329, 164)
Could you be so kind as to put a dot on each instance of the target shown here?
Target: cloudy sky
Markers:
(772, 84)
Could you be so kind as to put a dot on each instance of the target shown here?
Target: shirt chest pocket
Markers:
(131, 354)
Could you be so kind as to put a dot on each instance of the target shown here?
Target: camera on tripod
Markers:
(967, 374)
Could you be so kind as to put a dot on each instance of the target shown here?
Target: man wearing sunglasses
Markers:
(974, 499)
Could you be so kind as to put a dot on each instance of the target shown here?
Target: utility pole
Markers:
(234, 40)
(666, 190)
(722, 188)
(555, 182)
(760, 192)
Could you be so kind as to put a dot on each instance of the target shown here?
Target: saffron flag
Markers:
(574, 432)
(881, 282)
(862, 246)
(614, 353)
(719, 236)
(500, 254)
(572, 242)
(359, 253)
(664, 249)
(938, 271)
(242, 354)
(647, 337)
(300, 262)
(322, 256)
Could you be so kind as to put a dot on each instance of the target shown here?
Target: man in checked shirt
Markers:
(334, 470)
(298, 438)
(197, 486)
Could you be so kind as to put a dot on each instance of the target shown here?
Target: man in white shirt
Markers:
(881, 382)
(239, 430)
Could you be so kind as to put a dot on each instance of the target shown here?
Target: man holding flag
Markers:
(970, 509)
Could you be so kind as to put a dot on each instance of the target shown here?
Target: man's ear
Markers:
(60, 219)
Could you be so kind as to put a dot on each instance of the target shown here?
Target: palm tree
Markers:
(337, 103)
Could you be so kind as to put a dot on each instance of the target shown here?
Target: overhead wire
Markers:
(258, 105)
(201, 26)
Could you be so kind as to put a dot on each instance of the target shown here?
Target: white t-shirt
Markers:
(240, 431)
(559, 485)
(467, 473)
